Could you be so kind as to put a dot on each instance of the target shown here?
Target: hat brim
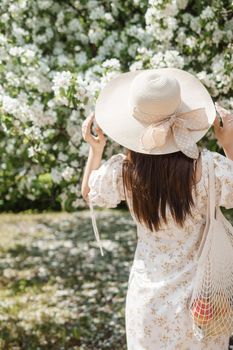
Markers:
(114, 115)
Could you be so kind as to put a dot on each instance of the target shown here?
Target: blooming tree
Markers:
(55, 58)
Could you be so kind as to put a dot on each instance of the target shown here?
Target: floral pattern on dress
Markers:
(159, 285)
(106, 186)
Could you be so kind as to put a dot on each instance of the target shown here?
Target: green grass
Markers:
(56, 290)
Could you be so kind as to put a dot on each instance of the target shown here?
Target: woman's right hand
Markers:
(98, 142)
(224, 133)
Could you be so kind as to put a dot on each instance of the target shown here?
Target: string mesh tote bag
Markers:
(211, 303)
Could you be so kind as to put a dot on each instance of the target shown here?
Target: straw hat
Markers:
(156, 111)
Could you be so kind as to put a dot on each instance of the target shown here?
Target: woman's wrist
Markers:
(97, 151)
(93, 163)
(95, 157)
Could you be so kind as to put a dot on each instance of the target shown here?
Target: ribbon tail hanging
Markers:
(94, 225)
(185, 142)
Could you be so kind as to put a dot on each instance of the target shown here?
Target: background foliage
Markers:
(55, 56)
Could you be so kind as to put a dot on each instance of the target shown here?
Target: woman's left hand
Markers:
(96, 142)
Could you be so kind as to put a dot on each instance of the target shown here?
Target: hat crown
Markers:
(155, 95)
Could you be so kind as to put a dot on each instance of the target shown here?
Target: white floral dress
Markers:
(160, 278)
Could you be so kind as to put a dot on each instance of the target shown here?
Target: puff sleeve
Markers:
(105, 183)
(223, 168)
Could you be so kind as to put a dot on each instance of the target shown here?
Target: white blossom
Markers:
(56, 175)
(68, 173)
(207, 13)
(61, 80)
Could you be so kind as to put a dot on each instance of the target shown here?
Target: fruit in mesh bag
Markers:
(223, 314)
(202, 311)
(221, 306)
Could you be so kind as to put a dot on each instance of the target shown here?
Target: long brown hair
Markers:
(157, 180)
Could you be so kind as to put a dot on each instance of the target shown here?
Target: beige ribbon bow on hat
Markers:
(180, 123)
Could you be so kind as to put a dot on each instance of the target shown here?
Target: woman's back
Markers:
(164, 261)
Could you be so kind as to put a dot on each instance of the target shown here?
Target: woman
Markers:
(164, 180)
